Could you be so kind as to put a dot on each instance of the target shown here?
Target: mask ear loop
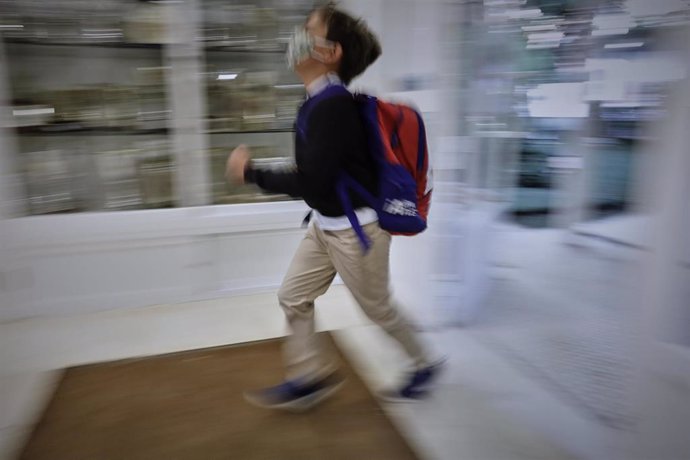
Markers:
(323, 43)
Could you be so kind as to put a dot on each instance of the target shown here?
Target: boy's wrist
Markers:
(249, 172)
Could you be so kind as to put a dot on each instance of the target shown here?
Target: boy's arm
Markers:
(329, 130)
(240, 169)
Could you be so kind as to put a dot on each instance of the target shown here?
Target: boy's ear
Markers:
(336, 53)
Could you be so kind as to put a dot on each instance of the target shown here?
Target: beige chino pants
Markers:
(321, 255)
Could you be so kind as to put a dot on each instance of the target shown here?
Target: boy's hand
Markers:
(237, 161)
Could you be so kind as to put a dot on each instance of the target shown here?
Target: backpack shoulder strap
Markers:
(344, 183)
(309, 104)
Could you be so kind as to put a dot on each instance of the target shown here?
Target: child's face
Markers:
(324, 51)
(309, 52)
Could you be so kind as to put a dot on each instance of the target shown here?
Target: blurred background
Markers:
(558, 132)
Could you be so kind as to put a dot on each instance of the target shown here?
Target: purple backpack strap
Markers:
(344, 183)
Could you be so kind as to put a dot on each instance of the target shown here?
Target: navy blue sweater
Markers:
(330, 137)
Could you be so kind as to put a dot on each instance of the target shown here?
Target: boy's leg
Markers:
(308, 277)
(367, 277)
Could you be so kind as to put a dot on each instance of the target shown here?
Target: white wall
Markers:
(66, 264)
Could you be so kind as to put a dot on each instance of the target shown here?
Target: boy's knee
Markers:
(285, 297)
(385, 316)
(291, 301)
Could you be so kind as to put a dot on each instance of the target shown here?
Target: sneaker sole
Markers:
(395, 399)
(301, 404)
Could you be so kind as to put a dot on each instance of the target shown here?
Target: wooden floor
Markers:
(189, 406)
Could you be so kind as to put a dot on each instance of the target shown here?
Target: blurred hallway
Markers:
(555, 272)
(542, 374)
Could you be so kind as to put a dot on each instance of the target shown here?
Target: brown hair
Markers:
(360, 46)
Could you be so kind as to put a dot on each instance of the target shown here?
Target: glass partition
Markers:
(90, 98)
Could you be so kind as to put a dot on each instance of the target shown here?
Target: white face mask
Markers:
(301, 47)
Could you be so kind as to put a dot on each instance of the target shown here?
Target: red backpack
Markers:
(397, 142)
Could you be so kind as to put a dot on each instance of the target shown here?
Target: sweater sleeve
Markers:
(285, 181)
(329, 140)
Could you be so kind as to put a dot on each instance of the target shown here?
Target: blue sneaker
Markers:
(295, 396)
(418, 385)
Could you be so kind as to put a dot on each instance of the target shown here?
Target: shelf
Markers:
(57, 130)
(27, 41)
(244, 50)
(208, 46)
(77, 129)
(253, 131)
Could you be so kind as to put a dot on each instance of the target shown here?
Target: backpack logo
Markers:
(400, 207)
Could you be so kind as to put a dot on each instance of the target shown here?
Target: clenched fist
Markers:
(237, 161)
